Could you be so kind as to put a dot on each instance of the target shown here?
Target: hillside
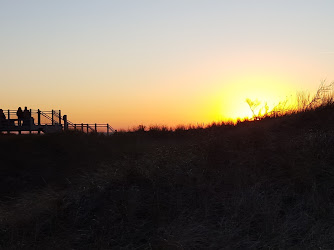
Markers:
(261, 184)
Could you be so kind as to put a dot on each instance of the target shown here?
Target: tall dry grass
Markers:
(323, 97)
(264, 184)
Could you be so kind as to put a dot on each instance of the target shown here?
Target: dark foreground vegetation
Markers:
(261, 184)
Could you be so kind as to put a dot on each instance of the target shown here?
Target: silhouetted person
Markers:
(2, 118)
(27, 117)
(19, 114)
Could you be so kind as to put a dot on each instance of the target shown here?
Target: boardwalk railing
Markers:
(48, 122)
(91, 128)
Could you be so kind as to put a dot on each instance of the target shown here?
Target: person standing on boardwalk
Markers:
(26, 117)
(19, 114)
(2, 118)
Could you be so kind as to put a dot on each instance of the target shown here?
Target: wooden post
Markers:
(107, 129)
(75, 127)
(8, 121)
(39, 121)
(65, 122)
(52, 117)
(95, 128)
(59, 117)
(87, 128)
(30, 122)
(82, 127)
(39, 117)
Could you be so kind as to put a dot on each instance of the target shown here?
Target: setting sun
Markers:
(266, 90)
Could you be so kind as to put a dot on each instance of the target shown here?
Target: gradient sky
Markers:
(161, 62)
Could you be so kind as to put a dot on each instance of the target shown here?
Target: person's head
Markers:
(1, 111)
(25, 108)
(19, 108)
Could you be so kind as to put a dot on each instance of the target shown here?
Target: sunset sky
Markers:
(161, 62)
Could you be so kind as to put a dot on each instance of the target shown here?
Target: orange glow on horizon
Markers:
(227, 103)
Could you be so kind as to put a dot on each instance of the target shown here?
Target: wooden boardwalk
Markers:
(48, 122)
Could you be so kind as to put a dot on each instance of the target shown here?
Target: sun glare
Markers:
(268, 91)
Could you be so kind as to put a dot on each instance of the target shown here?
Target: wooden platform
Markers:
(48, 122)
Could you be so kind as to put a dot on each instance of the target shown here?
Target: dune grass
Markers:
(267, 183)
